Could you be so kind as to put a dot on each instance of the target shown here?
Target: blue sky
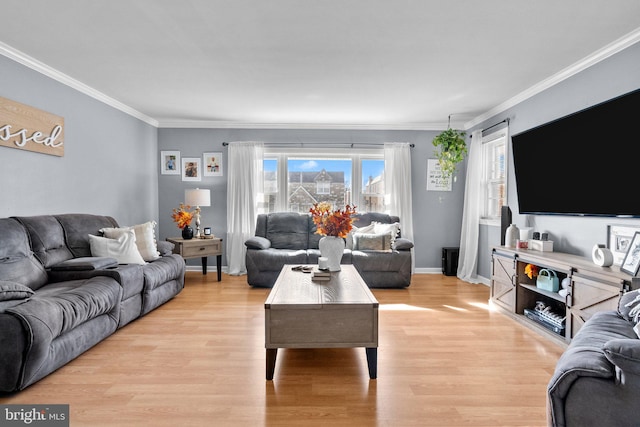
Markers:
(369, 167)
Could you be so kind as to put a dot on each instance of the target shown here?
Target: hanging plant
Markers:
(451, 150)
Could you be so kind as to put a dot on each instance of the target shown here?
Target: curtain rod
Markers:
(316, 144)
(499, 123)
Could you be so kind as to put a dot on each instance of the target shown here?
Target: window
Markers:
(296, 179)
(494, 174)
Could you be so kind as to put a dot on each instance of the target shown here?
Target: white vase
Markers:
(511, 236)
(332, 248)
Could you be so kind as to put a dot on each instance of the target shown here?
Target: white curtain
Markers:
(244, 187)
(468, 256)
(397, 184)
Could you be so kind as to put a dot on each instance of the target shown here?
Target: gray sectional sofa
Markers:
(597, 379)
(57, 301)
(289, 238)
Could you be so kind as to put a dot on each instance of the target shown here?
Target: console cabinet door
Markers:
(586, 298)
(503, 288)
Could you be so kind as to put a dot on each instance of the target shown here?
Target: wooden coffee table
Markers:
(302, 313)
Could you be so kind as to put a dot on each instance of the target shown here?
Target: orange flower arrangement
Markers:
(531, 270)
(328, 222)
(182, 216)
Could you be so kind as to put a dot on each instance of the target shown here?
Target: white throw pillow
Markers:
(372, 242)
(145, 238)
(354, 230)
(393, 229)
(123, 248)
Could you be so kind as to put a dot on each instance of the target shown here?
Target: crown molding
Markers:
(191, 124)
(600, 55)
(54, 74)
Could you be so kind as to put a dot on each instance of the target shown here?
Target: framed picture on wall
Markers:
(191, 169)
(631, 262)
(170, 162)
(212, 164)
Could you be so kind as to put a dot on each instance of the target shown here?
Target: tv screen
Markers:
(582, 164)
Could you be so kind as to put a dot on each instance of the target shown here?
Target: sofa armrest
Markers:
(257, 242)
(625, 354)
(402, 244)
(85, 263)
(165, 248)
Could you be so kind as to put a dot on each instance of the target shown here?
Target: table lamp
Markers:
(197, 197)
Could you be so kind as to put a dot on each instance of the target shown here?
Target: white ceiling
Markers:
(392, 64)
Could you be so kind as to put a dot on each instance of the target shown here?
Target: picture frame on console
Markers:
(619, 238)
(631, 262)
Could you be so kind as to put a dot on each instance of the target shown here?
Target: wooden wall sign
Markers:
(27, 128)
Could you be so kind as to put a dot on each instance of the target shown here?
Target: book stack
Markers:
(320, 275)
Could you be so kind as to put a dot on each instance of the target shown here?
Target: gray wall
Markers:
(437, 216)
(109, 164)
(612, 77)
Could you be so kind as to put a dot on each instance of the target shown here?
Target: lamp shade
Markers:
(197, 197)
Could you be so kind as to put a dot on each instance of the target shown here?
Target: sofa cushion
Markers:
(47, 239)
(17, 263)
(85, 264)
(77, 228)
(288, 230)
(123, 248)
(62, 306)
(10, 291)
(145, 238)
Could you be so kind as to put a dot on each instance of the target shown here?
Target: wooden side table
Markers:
(199, 248)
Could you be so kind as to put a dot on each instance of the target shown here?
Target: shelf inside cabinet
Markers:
(554, 295)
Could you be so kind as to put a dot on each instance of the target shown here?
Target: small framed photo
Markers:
(191, 169)
(212, 164)
(170, 162)
(618, 240)
(631, 261)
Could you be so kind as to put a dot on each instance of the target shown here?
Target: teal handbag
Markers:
(548, 280)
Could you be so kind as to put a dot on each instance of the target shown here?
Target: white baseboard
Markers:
(213, 269)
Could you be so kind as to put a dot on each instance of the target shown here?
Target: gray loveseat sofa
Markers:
(289, 238)
(597, 379)
(57, 301)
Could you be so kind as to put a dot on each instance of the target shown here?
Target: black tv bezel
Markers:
(553, 122)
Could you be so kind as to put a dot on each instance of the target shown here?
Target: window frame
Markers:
(489, 161)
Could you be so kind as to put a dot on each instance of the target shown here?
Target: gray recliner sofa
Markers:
(57, 301)
(597, 379)
(290, 238)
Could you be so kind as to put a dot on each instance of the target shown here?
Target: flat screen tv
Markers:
(587, 163)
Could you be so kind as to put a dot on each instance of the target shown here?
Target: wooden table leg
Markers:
(372, 361)
(219, 265)
(204, 265)
(271, 362)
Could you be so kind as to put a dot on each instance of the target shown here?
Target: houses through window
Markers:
(296, 179)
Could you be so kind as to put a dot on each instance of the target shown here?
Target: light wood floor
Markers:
(444, 359)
